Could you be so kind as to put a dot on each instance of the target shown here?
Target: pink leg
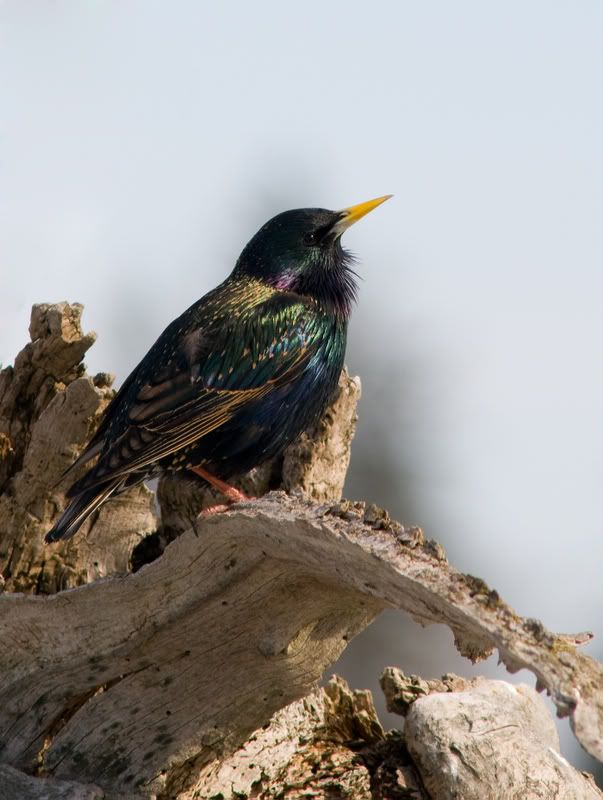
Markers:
(233, 494)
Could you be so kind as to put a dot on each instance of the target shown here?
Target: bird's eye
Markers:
(310, 238)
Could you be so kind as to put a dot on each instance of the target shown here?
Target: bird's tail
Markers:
(79, 509)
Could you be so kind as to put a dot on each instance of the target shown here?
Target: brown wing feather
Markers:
(190, 391)
(171, 415)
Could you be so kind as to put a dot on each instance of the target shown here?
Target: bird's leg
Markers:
(233, 494)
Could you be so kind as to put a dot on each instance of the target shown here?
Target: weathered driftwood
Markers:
(472, 740)
(143, 683)
(328, 745)
(475, 740)
(143, 679)
(49, 408)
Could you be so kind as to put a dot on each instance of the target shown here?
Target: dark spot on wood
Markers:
(163, 738)
(79, 758)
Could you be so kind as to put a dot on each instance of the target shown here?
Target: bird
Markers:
(236, 377)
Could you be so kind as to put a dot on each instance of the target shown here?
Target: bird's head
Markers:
(300, 251)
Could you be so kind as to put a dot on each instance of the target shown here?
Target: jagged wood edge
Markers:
(231, 625)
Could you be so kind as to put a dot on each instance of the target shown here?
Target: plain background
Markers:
(142, 144)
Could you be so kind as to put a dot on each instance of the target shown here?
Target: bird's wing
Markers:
(97, 442)
(204, 384)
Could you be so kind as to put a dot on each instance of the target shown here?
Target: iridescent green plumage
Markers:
(237, 376)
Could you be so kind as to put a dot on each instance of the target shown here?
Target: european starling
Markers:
(239, 375)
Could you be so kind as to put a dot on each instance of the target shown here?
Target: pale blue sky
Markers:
(143, 143)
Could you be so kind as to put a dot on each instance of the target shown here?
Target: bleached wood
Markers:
(130, 678)
(49, 408)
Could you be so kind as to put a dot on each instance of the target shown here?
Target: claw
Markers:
(220, 508)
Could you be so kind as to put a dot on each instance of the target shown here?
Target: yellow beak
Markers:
(352, 214)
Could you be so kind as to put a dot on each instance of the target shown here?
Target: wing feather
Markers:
(207, 383)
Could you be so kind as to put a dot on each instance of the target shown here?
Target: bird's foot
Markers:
(220, 508)
(231, 492)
